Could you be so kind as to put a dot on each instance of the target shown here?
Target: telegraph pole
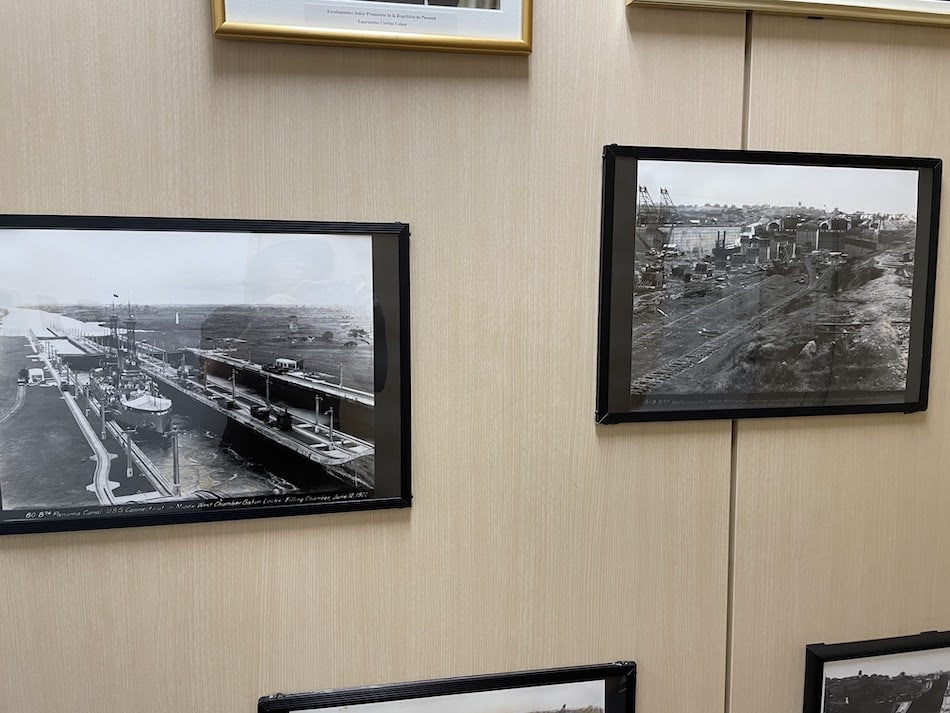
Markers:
(176, 466)
(128, 454)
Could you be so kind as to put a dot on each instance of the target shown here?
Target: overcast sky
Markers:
(186, 268)
(871, 190)
(911, 663)
(515, 700)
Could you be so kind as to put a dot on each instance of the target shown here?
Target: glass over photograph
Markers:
(770, 285)
(152, 373)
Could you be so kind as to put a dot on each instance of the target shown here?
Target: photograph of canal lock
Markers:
(149, 371)
(771, 285)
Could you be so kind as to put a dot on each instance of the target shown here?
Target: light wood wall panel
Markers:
(535, 539)
(841, 532)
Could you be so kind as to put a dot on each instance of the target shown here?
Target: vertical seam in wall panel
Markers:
(734, 443)
(746, 79)
(731, 568)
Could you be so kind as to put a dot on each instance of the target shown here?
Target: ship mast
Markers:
(130, 335)
(114, 331)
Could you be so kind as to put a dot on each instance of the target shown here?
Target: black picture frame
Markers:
(796, 308)
(280, 386)
(900, 670)
(607, 688)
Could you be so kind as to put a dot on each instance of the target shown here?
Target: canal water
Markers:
(208, 463)
(55, 470)
(57, 473)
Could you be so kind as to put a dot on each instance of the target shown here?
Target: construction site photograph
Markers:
(772, 285)
(909, 682)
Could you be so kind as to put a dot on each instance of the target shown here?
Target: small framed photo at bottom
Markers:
(603, 688)
(906, 674)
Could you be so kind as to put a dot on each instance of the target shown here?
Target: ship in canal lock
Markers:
(128, 394)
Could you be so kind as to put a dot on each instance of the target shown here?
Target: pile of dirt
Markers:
(867, 352)
(854, 275)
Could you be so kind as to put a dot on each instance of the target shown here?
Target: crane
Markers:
(668, 208)
(647, 212)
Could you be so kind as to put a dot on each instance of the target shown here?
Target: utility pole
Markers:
(176, 475)
(330, 411)
(128, 454)
(316, 421)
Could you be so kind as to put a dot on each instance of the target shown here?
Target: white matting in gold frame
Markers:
(489, 26)
(920, 12)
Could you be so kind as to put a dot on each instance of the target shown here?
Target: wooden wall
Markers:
(840, 531)
(536, 539)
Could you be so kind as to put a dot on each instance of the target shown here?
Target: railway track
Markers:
(648, 382)
(16, 406)
(645, 338)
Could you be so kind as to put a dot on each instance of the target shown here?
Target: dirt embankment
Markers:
(851, 336)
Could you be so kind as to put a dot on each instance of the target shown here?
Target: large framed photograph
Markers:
(158, 370)
(918, 12)
(752, 283)
(486, 26)
(603, 688)
(905, 674)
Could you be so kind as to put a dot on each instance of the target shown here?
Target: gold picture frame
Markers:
(481, 26)
(918, 12)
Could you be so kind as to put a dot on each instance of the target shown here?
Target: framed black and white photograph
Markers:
(603, 688)
(159, 370)
(905, 674)
(753, 283)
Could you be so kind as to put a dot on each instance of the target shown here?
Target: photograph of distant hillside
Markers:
(901, 675)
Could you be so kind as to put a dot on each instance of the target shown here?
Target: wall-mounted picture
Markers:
(603, 688)
(918, 12)
(157, 370)
(751, 283)
(906, 674)
(484, 26)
